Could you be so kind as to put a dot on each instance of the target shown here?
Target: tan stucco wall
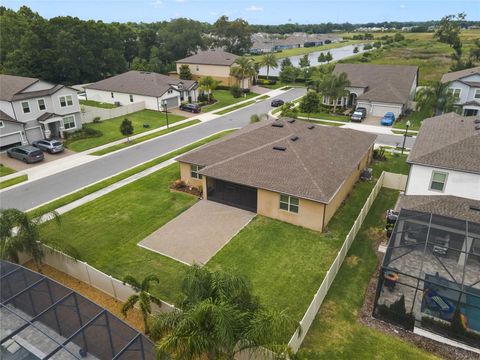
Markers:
(218, 72)
(310, 213)
(347, 187)
(185, 175)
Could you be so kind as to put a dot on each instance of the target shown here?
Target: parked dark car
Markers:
(52, 146)
(277, 102)
(28, 153)
(193, 108)
(359, 114)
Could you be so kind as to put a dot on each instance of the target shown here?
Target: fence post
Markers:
(88, 274)
(113, 287)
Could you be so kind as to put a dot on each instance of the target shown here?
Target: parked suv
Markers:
(51, 146)
(193, 108)
(28, 154)
(277, 102)
(359, 114)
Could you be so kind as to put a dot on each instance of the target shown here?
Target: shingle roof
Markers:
(312, 167)
(452, 76)
(39, 93)
(448, 141)
(384, 83)
(139, 83)
(210, 57)
(46, 116)
(5, 117)
(444, 205)
(11, 85)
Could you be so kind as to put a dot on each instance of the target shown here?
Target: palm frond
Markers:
(130, 280)
(129, 304)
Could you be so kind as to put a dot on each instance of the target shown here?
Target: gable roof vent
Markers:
(279, 148)
(291, 121)
(294, 138)
(310, 127)
(277, 124)
(476, 121)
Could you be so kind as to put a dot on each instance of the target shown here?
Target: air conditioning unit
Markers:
(117, 103)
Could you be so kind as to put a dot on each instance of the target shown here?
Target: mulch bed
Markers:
(365, 317)
(192, 190)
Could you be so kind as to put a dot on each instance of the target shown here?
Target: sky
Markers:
(254, 11)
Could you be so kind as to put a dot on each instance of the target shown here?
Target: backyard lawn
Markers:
(97, 104)
(4, 170)
(224, 98)
(110, 129)
(336, 332)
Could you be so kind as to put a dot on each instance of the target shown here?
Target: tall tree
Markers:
(143, 297)
(207, 84)
(126, 128)
(328, 57)
(333, 86)
(21, 233)
(285, 62)
(448, 32)
(321, 58)
(218, 318)
(269, 61)
(310, 103)
(234, 36)
(289, 74)
(244, 68)
(304, 64)
(435, 99)
(185, 73)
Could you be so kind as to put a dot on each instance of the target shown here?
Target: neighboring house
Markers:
(465, 86)
(284, 169)
(32, 109)
(264, 43)
(156, 90)
(215, 63)
(378, 88)
(445, 159)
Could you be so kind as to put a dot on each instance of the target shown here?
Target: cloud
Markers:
(157, 4)
(403, 6)
(254, 8)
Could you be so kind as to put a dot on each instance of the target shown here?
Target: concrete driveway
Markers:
(20, 165)
(372, 120)
(197, 234)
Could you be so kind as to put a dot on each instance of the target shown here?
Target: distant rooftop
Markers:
(210, 57)
(456, 75)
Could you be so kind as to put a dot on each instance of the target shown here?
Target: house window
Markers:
(41, 105)
(25, 107)
(477, 94)
(455, 92)
(111, 94)
(198, 68)
(439, 179)
(131, 98)
(66, 100)
(289, 203)
(194, 169)
(170, 91)
(2, 124)
(69, 122)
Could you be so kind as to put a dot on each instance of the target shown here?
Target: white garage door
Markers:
(9, 140)
(172, 102)
(33, 134)
(365, 105)
(380, 109)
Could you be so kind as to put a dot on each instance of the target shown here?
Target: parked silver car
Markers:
(51, 146)
(28, 154)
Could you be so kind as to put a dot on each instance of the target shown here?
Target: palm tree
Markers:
(21, 233)
(244, 69)
(270, 61)
(217, 319)
(143, 298)
(333, 86)
(435, 99)
(208, 84)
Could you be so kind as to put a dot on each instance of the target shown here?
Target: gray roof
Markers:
(38, 93)
(46, 116)
(456, 75)
(448, 141)
(210, 57)
(10, 85)
(139, 83)
(5, 117)
(384, 83)
(312, 167)
(444, 205)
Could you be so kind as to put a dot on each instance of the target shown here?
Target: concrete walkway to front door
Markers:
(197, 234)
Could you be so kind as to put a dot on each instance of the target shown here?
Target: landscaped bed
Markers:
(110, 129)
(225, 98)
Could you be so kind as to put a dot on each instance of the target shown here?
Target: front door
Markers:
(54, 128)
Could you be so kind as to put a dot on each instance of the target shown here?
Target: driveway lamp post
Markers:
(164, 105)
(407, 125)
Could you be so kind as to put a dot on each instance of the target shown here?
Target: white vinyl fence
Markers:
(394, 181)
(89, 113)
(88, 274)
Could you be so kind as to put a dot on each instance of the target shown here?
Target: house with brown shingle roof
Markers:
(215, 63)
(378, 88)
(465, 86)
(284, 169)
(155, 90)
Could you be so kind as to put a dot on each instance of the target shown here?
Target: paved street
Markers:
(37, 192)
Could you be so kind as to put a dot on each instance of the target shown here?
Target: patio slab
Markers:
(199, 233)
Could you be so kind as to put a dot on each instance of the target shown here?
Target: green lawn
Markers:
(415, 119)
(4, 170)
(224, 98)
(326, 116)
(97, 104)
(236, 107)
(111, 128)
(336, 332)
(145, 138)
(13, 181)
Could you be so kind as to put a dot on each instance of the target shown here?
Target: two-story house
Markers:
(33, 109)
(465, 86)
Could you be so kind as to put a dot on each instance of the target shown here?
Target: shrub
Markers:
(202, 97)
(310, 103)
(97, 120)
(246, 91)
(236, 91)
(84, 133)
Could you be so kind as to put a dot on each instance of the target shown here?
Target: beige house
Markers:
(284, 169)
(215, 63)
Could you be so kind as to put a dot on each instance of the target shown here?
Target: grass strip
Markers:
(97, 104)
(4, 170)
(144, 138)
(13, 181)
(239, 106)
(55, 204)
(263, 97)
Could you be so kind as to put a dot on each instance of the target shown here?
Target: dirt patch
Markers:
(351, 261)
(134, 318)
(365, 317)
